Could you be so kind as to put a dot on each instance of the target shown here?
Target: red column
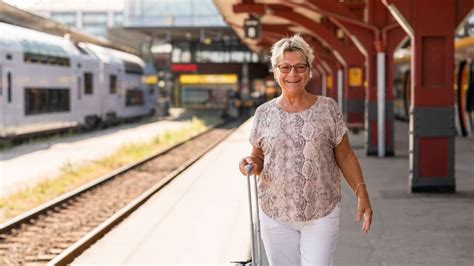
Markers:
(373, 37)
(431, 26)
(431, 115)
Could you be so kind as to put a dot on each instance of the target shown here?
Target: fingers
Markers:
(367, 220)
(360, 212)
(364, 211)
(245, 161)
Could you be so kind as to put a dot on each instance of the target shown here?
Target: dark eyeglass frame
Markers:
(299, 68)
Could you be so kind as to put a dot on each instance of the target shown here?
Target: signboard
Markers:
(184, 68)
(355, 77)
(329, 81)
(252, 28)
(150, 79)
(208, 79)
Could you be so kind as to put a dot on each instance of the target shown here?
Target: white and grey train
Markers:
(48, 83)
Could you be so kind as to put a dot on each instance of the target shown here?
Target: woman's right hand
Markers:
(248, 160)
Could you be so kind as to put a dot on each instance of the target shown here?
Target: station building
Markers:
(200, 60)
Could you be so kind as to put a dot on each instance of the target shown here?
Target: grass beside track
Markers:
(75, 175)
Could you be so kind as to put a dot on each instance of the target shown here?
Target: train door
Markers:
(112, 92)
(77, 92)
(89, 94)
(116, 79)
(2, 104)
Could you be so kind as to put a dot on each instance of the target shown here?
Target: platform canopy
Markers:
(279, 18)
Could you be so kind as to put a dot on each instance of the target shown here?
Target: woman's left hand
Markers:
(364, 209)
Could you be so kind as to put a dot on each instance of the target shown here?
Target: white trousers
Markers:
(307, 243)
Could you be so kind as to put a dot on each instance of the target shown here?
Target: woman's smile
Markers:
(292, 81)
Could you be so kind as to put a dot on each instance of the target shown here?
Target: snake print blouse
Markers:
(300, 180)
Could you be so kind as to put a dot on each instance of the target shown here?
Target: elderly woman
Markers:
(300, 144)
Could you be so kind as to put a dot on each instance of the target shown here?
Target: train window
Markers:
(44, 53)
(88, 83)
(113, 84)
(46, 100)
(45, 59)
(134, 97)
(9, 87)
(133, 68)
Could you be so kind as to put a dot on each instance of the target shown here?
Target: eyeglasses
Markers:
(299, 68)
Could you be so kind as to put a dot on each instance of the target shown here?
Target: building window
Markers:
(113, 84)
(134, 8)
(68, 18)
(46, 100)
(94, 18)
(118, 18)
(97, 30)
(88, 83)
(95, 23)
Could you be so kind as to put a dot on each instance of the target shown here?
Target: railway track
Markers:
(60, 230)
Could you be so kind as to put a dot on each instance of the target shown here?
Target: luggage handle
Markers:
(254, 228)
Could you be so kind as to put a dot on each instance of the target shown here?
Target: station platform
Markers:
(201, 218)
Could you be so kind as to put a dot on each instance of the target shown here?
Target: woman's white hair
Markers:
(294, 43)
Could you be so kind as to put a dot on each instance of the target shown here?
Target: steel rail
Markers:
(69, 254)
(57, 202)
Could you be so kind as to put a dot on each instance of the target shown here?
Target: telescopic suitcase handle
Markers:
(255, 229)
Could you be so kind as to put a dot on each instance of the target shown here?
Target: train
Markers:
(463, 85)
(50, 83)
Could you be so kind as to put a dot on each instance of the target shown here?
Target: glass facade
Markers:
(92, 22)
(172, 13)
(68, 18)
(95, 23)
(118, 18)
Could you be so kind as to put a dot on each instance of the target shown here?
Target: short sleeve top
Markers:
(300, 180)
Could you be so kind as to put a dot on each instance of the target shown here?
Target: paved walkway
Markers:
(27, 164)
(410, 229)
(201, 218)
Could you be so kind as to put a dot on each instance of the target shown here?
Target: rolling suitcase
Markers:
(257, 256)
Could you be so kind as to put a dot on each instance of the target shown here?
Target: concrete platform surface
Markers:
(409, 229)
(201, 218)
